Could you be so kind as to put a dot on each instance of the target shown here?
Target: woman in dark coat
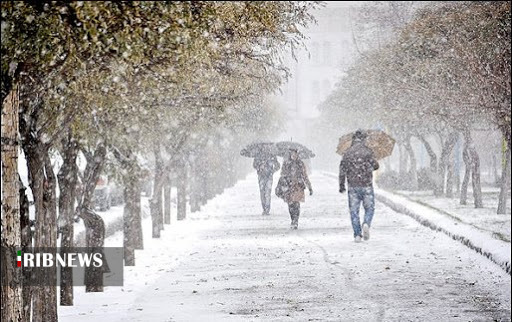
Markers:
(294, 179)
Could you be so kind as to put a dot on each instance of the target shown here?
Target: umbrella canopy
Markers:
(284, 148)
(259, 150)
(380, 142)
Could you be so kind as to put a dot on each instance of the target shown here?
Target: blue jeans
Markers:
(265, 183)
(356, 195)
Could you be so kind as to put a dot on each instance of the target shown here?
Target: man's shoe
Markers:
(366, 231)
(357, 239)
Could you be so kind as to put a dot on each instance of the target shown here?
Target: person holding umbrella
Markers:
(356, 168)
(266, 165)
(294, 179)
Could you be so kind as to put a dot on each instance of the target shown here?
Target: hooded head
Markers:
(359, 137)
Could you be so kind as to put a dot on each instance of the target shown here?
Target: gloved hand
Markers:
(310, 192)
(342, 189)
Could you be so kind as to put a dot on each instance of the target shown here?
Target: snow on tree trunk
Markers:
(67, 176)
(12, 288)
(505, 182)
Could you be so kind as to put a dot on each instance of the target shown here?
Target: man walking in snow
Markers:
(265, 167)
(356, 168)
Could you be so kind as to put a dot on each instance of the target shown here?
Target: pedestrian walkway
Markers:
(229, 263)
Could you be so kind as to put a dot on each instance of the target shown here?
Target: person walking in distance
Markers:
(266, 166)
(356, 167)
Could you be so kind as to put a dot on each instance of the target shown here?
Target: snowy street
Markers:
(228, 262)
(145, 144)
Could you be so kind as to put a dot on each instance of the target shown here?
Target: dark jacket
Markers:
(357, 166)
(266, 166)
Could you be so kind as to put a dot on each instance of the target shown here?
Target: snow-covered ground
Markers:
(228, 262)
(485, 219)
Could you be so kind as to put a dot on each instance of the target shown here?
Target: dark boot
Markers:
(294, 208)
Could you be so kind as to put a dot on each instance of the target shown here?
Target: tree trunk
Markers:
(413, 170)
(457, 179)
(12, 289)
(131, 220)
(137, 220)
(445, 158)
(132, 224)
(95, 238)
(430, 151)
(92, 173)
(182, 192)
(42, 182)
(195, 188)
(505, 183)
(450, 176)
(472, 165)
(156, 200)
(95, 227)
(26, 243)
(68, 177)
(434, 175)
(129, 249)
(475, 177)
(167, 201)
(467, 175)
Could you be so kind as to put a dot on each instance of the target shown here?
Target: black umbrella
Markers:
(259, 149)
(284, 148)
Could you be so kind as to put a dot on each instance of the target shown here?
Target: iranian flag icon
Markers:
(19, 258)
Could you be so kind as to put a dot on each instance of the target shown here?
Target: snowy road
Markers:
(230, 263)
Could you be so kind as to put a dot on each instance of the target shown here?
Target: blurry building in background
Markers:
(330, 51)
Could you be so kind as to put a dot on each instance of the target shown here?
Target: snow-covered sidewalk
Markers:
(228, 262)
(497, 226)
(472, 236)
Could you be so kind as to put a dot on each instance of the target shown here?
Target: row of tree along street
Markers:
(433, 75)
(181, 84)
